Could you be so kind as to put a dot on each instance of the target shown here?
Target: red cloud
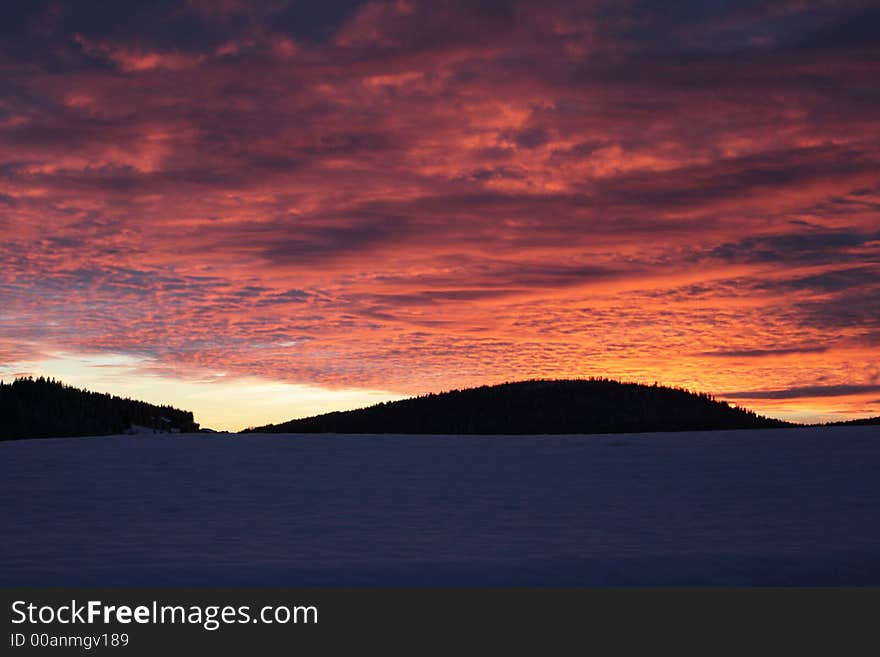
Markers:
(436, 195)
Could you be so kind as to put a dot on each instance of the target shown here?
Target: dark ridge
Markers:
(45, 408)
(865, 421)
(538, 407)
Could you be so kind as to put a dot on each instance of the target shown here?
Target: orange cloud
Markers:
(414, 196)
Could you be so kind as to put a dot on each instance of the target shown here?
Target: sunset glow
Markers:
(258, 211)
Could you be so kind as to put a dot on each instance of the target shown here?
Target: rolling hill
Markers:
(862, 422)
(538, 407)
(44, 408)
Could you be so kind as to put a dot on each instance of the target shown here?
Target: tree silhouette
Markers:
(539, 407)
(45, 408)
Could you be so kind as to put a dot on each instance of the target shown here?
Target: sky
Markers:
(264, 210)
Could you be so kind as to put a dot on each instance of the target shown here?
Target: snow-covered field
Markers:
(791, 506)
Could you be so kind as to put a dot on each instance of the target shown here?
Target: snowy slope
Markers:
(773, 506)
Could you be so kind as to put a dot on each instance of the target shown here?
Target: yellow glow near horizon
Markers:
(217, 401)
(229, 403)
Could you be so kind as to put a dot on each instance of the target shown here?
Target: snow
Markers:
(773, 506)
(138, 430)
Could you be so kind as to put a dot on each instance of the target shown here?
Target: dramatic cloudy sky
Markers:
(258, 210)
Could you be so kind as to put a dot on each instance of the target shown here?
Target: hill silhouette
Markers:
(45, 408)
(538, 407)
(866, 421)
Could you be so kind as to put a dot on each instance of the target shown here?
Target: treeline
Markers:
(539, 407)
(862, 422)
(45, 408)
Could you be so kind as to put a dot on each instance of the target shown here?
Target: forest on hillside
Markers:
(861, 422)
(45, 408)
(539, 407)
